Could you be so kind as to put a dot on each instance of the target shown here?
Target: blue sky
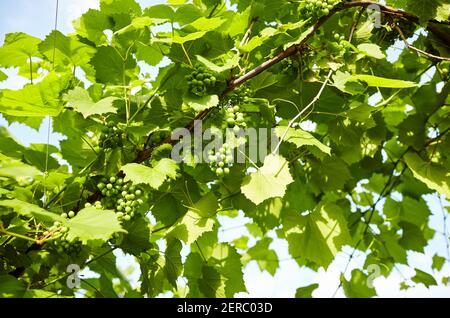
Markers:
(37, 18)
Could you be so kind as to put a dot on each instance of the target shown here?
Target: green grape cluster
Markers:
(56, 229)
(201, 81)
(221, 160)
(123, 197)
(234, 118)
(239, 95)
(318, 8)
(68, 248)
(340, 45)
(112, 136)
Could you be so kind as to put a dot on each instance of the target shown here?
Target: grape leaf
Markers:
(93, 224)
(358, 286)
(422, 277)
(153, 176)
(269, 181)
(198, 220)
(306, 291)
(80, 101)
(300, 138)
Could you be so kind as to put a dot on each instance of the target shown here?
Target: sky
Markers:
(37, 18)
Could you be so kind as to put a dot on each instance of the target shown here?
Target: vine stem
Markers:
(6, 232)
(419, 51)
(293, 120)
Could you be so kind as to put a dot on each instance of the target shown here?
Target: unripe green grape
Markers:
(138, 192)
(109, 186)
(119, 208)
(126, 217)
(64, 215)
(221, 164)
(119, 214)
(230, 109)
(87, 205)
(71, 214)
(112, 179)
(236, 108)
(128, 209)
(140, 201)
(228, 159)
(219, 171)
(124, 193)
(230, 120)
(100, 186)
(226, 170)
(119, 181)
(236, 129)
(64, 229)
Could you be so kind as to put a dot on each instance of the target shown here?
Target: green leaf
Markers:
(422, 277)
(36, 100)
(151, 54)
(137, 238)
(358, 286)
(17, 49)
(270, 181)
(201, 103)
(80, 101)
(433, 175)
(231, 62)
(173, 264)
(207, 24)
(93, 224)
(31, 210)
(180, 39)
(120, 6)
(372, 50)
(376, 81)
(136, 24)
(16, 169)
(306, 292)
(198, 220)
(266, 258)
(11, 287)
(65, 50)
(3, 76)
(327, 227)
(91, 25)
(300, 138)
(153, 176)
(438, 262)
(110, 67)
